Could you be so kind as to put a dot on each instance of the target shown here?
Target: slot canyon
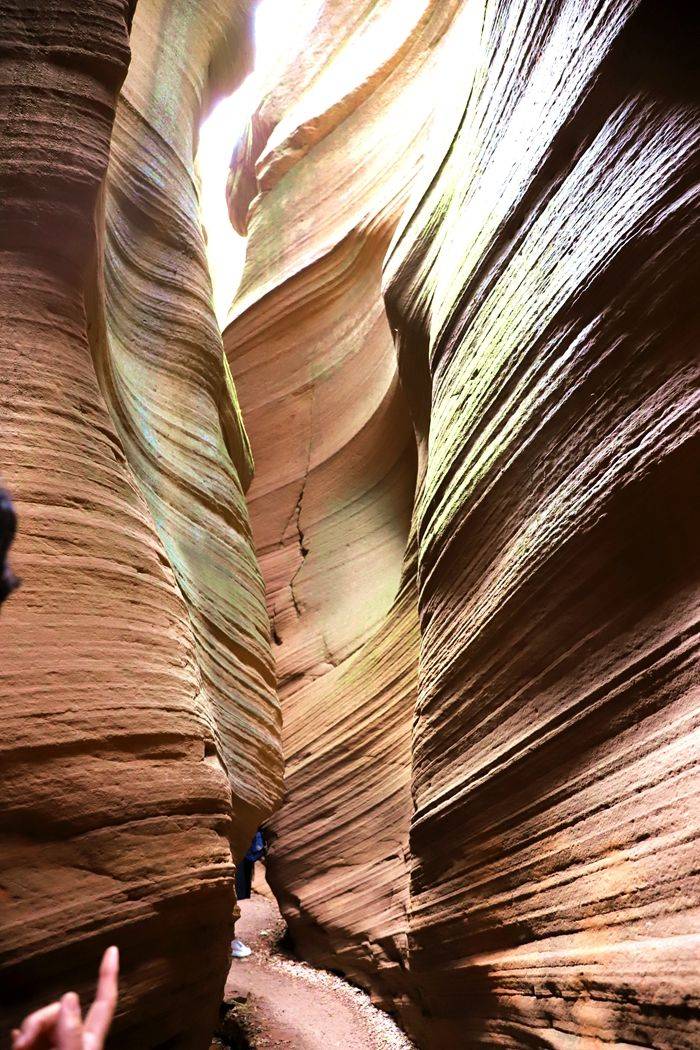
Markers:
(400, 560)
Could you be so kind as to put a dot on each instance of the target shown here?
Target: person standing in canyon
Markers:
(244, 886)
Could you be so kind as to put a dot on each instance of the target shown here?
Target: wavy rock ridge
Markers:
(538, 886)
(160, 362)
(140, 738)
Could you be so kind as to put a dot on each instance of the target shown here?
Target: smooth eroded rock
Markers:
(125, 709)
(540, 291)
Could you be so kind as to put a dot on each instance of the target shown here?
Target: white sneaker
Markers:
(239, 950)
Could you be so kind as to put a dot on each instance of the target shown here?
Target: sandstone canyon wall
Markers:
(554, 773)
(140, 727)
(159, 357)
(491, 811)
(465, 348)
(315, 367)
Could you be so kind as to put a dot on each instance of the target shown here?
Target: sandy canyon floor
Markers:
(275, 1002)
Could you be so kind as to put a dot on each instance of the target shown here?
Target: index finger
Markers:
(100, 1014)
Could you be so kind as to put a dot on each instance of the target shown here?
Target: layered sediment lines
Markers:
(123, 707)
(552, 887)
(308, 342)
(159, 357)
(315, 367)
(465, 348)
(540, 289)
(339, 864)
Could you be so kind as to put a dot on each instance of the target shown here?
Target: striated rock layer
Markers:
(541, 291)
(159, 358)
(338, 864)
(124, 709)
(473, 513)
(554, 773)
(315, 368)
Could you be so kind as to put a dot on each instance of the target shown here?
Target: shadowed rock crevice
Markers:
(303, 550)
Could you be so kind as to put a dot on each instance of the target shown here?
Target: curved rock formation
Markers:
(315, 368)
(159, 357)
(472, 506)
(552, 891)
(339, 862)
(540, 289)
(123, 706)
(308, 343)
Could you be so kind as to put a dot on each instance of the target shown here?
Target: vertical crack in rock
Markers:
(295, 516)
(303, 551)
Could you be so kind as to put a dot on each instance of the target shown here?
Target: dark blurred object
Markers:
(8, 527)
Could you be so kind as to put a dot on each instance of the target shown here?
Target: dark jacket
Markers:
(257, 847)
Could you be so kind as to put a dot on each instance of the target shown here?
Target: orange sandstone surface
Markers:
(140, 737)
(491, 812)
(438, 554)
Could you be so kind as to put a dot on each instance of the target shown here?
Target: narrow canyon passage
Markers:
(357, 500)
(273, 1001)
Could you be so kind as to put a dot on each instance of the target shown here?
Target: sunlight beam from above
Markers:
(279, 26)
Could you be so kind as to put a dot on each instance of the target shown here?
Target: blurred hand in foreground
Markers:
(60, 1026)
